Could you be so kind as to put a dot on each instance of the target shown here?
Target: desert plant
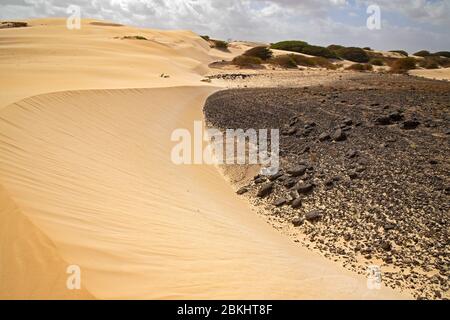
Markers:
(368, 48)
(360, 67)
(335, 47)
(313, 62)
(262, 52)
(376, 62)
(135, 38)
(219, 44)
(442, 54)
(422, 53)
(353, 54)
(246, 61)
(206, 38)
(403, 65)
(429, 64)
(284, 61)
(293, 45)
(318, 51)
(402, 52)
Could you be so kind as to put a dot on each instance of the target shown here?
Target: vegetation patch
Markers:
(403, 65)
(261, 52)
(285, 61)
(376, 62)
(353, 54)
(246, 61)
(422, 53)
(360, 67)
(402, 52)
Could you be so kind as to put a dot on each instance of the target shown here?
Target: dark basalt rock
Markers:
(265, 190)
(297, 171)
(339, 135)
(410, 124)
(324, 136)
(242, 190)
(313, 215)
(297, 222)
(304, 188)
(297, 203)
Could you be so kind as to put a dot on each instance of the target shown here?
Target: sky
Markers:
(411, 25)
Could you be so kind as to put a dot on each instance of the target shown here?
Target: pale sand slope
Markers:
(86, 179)
(49, 57)
(438, 74)
(92, 170)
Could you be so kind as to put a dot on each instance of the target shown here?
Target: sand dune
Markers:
(438, 74)
(48, 57)
(86, 178)
(92, 171)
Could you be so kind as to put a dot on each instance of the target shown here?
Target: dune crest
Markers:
(92, 170)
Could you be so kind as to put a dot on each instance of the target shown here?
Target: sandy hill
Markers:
(86, 178)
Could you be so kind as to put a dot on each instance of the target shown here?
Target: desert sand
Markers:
(86, 179)
(438, 74)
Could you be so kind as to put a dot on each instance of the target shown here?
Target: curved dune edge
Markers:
(92, 170)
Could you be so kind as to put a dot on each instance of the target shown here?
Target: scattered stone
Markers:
(297, 171)
(410, 125)
(351, 154)
(242, 190)
(389, 226)
(324, 136)
(297, 222)
(353, 175)
(386, 246)
(260, 180)
(383, 121)
(433, 162)
(289, 183)
(265, 190)
(347, 122)
(304, 188)
(339, 135)
(297, 203)
(280, 202)
(313, 215)
(275, 176)
(396, 116)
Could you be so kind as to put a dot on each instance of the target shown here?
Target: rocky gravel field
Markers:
(365, 171)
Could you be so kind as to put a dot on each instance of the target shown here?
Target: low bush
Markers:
(318, 51)
(246, 61)
(262, 52)
(335, 47)
(376, 62)
(422, 53)
(402, 52)
(219, 44)
(135, 38)
(313, 62)
(442, 54)
(206, 38)
(284, 61)
(353, 54)
(434, 62)
(294, 46)
(360, 67)
(403, 65)
(368, 48)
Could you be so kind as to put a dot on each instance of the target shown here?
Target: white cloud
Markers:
(316, 21)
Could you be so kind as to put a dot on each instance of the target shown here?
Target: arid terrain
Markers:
(87, 179)
(365, 171)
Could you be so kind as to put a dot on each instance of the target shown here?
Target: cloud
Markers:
(317, 21)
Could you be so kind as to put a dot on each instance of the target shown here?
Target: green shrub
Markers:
(262, 52)
(135, 38)
(376, 62)
(353, 54)
(360, 67)
(368, 48)
(402, 52)
(318, 51)
(403, 65)
(313, 62)
(294, 46)
(284, 61)
(423, 53)
(434, 62)
(335, 47)
(442, 54)
(429, 64)
(219, 44)
(246, 61)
